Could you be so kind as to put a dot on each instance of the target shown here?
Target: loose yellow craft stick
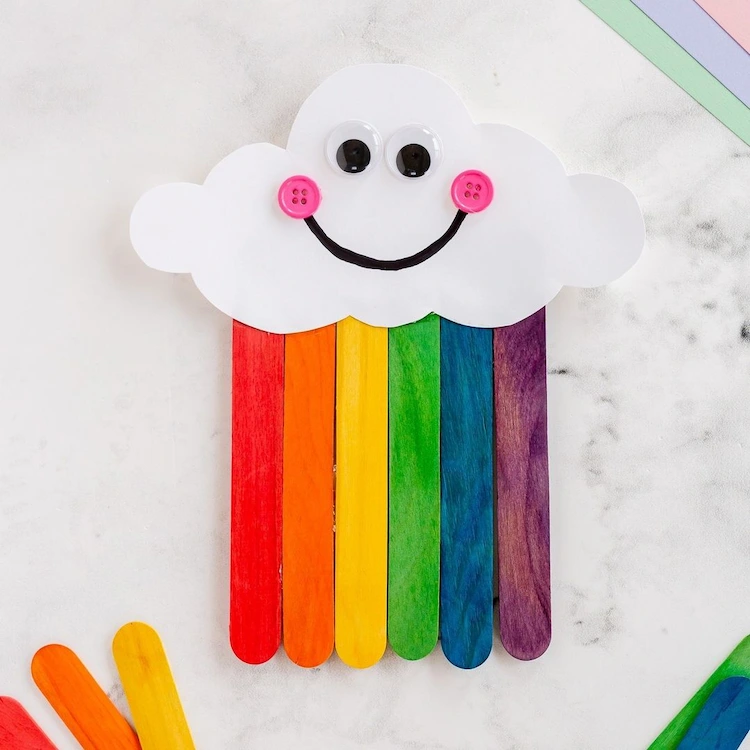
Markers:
(361, 492)
(150, 689)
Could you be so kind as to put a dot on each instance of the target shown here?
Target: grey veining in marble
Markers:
(114, 380)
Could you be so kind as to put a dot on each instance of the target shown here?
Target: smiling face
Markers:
(387, 204)
(398, 158)
(471, 191)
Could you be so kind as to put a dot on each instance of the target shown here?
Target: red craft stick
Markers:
(18, 731)
(257, 432)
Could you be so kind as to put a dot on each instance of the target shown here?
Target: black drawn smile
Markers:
(365, 261)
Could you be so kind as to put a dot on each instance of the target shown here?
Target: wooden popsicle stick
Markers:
(257, 450)
(18, 731)
(150, 689)
(466, 533)
(737, 664)
(522, 474)
(361, 492)
(724, 721)
(414, 487)
(78, 700)
(309, 394)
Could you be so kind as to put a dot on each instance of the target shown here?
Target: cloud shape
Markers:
(542, 230)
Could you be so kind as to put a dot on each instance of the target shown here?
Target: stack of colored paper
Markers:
(702, 45)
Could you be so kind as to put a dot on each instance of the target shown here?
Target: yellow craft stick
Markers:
(150, 689)
(361, 492)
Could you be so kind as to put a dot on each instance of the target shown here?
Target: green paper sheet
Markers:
(639, 30)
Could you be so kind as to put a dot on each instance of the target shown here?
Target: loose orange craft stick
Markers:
(309, 399)
(78, 700)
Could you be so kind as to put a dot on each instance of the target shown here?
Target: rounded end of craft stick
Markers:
(527, 646)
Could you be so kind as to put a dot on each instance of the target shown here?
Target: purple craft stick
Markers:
(522, 469)
(704, 40)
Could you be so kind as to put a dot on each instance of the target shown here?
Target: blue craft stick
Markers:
(466, 477)
(724, 720)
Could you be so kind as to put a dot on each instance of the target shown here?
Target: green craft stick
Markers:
(638, 29)
(414, 487)
(737, 664)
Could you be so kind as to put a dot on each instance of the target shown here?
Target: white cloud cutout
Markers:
(543, 229)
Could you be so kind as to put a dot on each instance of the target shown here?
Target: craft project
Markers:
(737, 664)
(639, 30)
(724, 720)
(699, 35)
(366, 266)
(733, 16)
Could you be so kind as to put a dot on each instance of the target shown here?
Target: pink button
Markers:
(299, 197)
(472, 191)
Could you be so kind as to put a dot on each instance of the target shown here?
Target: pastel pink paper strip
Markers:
(733, 16)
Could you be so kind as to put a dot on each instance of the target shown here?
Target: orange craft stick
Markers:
(309, 398)
(79, 701)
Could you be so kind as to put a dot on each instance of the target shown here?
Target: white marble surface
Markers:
(114, 379)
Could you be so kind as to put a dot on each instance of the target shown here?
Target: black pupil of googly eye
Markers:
(353, 156)
(413, 160)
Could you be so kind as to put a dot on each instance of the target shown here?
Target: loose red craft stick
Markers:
(18, 731)
(257, 450)
(522, 487)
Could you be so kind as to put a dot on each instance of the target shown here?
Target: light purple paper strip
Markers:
(701, 37)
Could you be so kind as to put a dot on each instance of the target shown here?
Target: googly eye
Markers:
(414, 151)
(353, 147)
